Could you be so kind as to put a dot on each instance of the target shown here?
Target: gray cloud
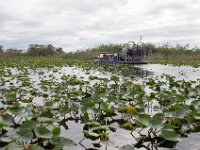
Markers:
(74, 24)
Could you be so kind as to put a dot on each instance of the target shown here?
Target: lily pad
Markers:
(143, 119)
(56, 131)
(29, 124)
(170, 135)
(157, 121)
(127, 147)
(36, 147)
(25, 135)
(14, 146)
(61, 141)
(43, 132)
(90, 135)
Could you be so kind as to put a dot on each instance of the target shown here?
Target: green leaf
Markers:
(99, 129)
(7, 119)
(168, 114)
(112, 98)
(127, 125)
(127, 147)
(16, 109)
(143, 119)
(90, 125)
(96, 98)
(114, 78)
(196, 116)
(157, 121)
(180, 111)
(25, 135)
(104, 105)
(14, 146)
(43, 132)
(36, 147)
(170, 135)
(86, 117)
(47, 120)
(61, 141)
(56, 131)
(90, 135)
(63, 109)
(109, 111)
(122, 109)
(26, 101)
(29, 124)
(87, 104)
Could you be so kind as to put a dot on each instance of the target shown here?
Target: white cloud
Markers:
(74, 24)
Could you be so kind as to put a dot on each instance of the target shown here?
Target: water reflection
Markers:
(72, 127)
(133, 72)
(183, 72)
(142, 73)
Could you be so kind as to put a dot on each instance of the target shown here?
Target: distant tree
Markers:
(181, 47)
(91, 53)
(1, 48)
(14, 51)
(50, 49)
(40, 50)
(59, 50)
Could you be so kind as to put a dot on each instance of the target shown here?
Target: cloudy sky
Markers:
(76, 24)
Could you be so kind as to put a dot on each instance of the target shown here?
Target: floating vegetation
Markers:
(39, 101)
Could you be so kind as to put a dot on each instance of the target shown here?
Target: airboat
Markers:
(131, 54)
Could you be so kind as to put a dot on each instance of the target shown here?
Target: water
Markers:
(186, 73)
(121, 136)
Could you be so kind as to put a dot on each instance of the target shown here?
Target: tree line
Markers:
(163, 51)
(34, 50)
(91, 53)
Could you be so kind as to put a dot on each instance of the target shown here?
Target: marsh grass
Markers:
(176, 57)
(164, 54)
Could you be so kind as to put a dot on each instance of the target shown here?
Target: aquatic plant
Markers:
(38, 101)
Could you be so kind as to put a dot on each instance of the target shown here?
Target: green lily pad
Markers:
(56, 131)
(14, 146)
(43, 132)
(127, 147)
(61, 141)
(29, 124)
(46, 120)
(127, 126)
(16, 109)
(90, 135)
(196, 116)
(24, 135)
(143, 119)
(170, 135)
(157, 121)
(180, 111)
(7, 119)
(122, 109)
(36, 147)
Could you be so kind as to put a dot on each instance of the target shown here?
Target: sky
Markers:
(81, 24)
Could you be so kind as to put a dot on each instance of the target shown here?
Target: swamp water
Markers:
(120, 136)
(123, 137)
(187, 73)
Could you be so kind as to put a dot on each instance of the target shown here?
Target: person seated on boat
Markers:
(115, 57)
(129, 52)
(131, 48)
